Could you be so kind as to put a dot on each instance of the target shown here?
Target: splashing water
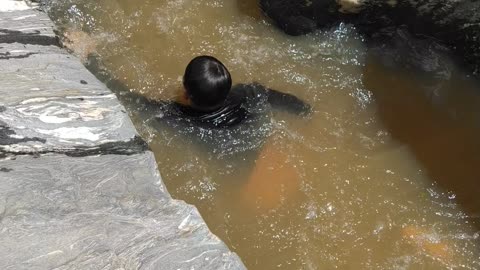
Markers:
(347, 187)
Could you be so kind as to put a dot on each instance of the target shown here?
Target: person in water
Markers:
(230, 124)
(211, 101)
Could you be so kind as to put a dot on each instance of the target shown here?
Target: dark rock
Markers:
(9, 36)
(455, 23)
(7, 56)
(9, 137)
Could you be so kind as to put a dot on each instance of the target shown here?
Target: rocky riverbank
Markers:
(454, 23)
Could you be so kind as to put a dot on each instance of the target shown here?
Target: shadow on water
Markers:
(250, 8)
(433, 108)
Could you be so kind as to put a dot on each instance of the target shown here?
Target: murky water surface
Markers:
(383, 174)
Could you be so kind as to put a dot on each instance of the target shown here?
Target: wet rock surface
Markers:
(102, 212)
(455, 23)
(78, 188)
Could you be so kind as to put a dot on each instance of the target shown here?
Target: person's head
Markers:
(206, 82)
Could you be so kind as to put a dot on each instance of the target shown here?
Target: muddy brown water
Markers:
(382, 175)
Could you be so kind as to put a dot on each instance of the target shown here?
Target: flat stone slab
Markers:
(99, 212)
(19, 22)
(79, 188)
(49, 100)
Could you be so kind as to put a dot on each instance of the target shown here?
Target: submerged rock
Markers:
(455, 23)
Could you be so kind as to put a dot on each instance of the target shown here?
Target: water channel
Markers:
(382, 175)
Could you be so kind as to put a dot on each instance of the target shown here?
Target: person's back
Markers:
(212, 102)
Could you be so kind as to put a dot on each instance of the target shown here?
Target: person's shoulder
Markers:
(170, 109)
(252, 85)
(241, 87)
(249, 90)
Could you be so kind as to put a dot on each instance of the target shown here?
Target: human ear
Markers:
(183, 98)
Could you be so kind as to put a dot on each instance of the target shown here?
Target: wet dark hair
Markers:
(207, 82)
